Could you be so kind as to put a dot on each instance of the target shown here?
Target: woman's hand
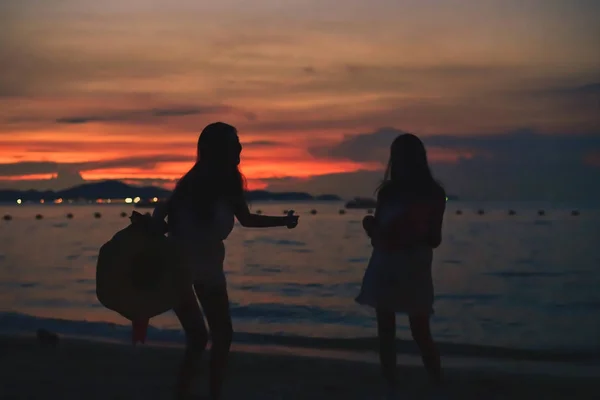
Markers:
(249, 220)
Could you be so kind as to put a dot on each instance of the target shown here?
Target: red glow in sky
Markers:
(121, 89)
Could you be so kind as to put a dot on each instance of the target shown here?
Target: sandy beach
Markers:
(80, 369)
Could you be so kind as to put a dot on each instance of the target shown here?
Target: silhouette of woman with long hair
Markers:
(407, 226)
(201, 214)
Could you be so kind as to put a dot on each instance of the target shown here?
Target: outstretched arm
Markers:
(250, 220)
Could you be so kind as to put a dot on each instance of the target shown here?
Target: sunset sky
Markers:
(506, 94)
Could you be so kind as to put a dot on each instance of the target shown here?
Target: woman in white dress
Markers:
(201, 214)
(404, 231)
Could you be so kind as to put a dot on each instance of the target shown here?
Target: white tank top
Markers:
(201, 241)
(185, 224)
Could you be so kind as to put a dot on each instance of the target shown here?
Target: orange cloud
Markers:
(33, 177)
(88, 85)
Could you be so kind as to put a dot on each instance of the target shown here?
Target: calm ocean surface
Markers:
(522, 282)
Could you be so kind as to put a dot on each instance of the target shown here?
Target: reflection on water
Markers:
(521, 281)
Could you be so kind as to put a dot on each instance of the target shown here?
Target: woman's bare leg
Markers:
(386, 331)
(215, 304)
(421, 332)
(191, 319)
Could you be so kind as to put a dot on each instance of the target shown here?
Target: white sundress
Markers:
(400, 280)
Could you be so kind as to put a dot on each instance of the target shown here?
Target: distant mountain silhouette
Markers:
(113, 189)
(367, 202)
(361, 202)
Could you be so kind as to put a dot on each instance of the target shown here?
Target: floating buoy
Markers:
(511, 212)
(541, 213)
(39, 216)
(480, 212)
(575, 212)
(342, 211)
(7, 217)
(458, 212)
(313, 212)
(259, 212)
(123, 214)
(70, 216)
(370, 211)
(97, 215)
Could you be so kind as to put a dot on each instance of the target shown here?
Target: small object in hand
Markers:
(47, 338)
(292, 219)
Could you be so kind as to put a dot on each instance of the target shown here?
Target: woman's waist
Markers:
(408, 251)
(204, 232)
(197, 243)
(188, 233)
(419, 258)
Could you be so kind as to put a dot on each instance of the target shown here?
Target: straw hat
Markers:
(139, 273)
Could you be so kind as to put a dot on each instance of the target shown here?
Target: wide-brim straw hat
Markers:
(139, 273)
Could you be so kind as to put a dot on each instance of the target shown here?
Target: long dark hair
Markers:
(215, 175)
(408, 173)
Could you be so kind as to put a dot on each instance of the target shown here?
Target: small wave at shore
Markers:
(11, 322)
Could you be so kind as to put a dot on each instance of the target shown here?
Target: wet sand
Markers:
(80, 369)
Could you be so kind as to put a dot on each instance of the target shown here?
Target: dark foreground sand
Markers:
(81, 370)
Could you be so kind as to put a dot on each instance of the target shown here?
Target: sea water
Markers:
(523, 285)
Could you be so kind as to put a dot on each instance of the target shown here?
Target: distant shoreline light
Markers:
(60, 200)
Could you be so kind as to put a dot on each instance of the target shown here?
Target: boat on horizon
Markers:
(361, 202)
